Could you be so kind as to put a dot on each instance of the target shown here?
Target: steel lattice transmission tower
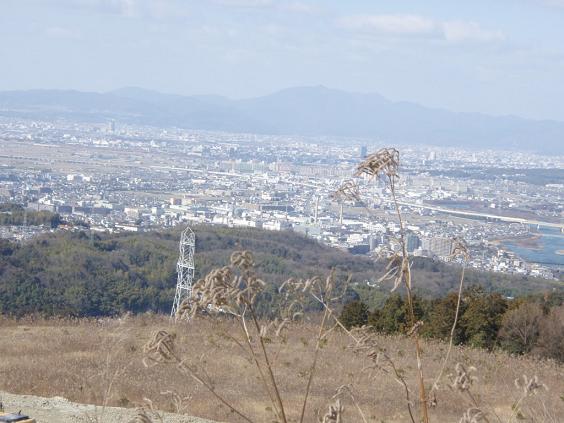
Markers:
(184, 268)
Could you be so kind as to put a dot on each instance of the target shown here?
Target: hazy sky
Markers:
(493, 56)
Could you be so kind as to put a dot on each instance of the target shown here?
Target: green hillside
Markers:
(74, 274)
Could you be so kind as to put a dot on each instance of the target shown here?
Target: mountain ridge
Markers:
(307, 111)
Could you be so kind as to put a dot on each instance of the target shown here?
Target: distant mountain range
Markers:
(310, 111)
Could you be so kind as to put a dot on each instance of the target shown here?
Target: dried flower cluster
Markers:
(463, 379)
(473, 415)
(349, 190)
(365, 343)
(335, 413)
(242, 259)
(159, 349)
(529, 386)
(299, 286)
(459, 250)
(397, 267)
(226, 289)
(415, 328)
(384, 161)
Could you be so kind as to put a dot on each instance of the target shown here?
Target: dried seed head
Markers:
(185, 309)
(227, 289)
(214, 292)
(349, 190)
(459, 250)
(366, 343)
(159, 349)
(383, 162)
(330, 281)
(473, 415)
(294, 286)
(335, 413)
(415, 328)
(274, 327)
(529, 386)
(342, 390)
(463, 379)
(395, 269)
(242, 259)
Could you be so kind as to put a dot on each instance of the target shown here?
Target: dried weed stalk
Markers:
(460, 252)
(347, 390)
(529, 387)
(161, 349)
(385, 164)
(462, 381)
(234, 289)
(231, 290)
(112, 371)
(365, 343)
(473, 415)
(295, 292)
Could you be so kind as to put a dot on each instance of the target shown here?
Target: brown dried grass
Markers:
(80, 359)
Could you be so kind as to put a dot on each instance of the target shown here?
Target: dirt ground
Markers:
(60, 410)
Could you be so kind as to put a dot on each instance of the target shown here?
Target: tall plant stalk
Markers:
(320, 337)
(452, 331)
(406, 276)
(268, 366)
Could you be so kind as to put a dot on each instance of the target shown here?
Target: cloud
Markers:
(421, 27)
(557, 3)
(127, 8)
(284, 6)
(460, 31)
(121, 7)
(299, 7)
(245, 3)
(390, 24)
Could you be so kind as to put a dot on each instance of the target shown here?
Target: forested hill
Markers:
(75, 274)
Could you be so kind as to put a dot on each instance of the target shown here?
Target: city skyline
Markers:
(123, 178)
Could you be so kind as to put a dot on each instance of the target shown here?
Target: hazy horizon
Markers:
(203, 95)
(499, 59)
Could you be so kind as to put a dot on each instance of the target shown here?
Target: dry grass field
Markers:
(100, 362)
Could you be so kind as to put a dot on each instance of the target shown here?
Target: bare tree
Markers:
(520, 327)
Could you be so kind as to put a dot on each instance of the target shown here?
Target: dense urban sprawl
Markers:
(112, 177)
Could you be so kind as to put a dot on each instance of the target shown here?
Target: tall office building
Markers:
(412, 242)
(441, 247)
(363, 152)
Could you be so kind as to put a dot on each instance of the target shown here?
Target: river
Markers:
(547, 249)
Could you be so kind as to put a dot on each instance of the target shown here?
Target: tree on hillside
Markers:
(520, 328)
(354, 314)
(441, 318)
(393, 317)
(551, 335)
(482, 316)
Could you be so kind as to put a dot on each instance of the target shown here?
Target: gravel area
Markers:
(61, 410)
